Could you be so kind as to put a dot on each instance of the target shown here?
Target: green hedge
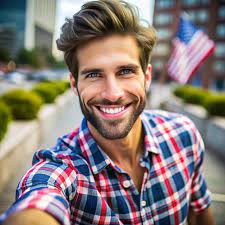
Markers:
(181, 91)
(61, 86)
(192, 95)
(215, 105)
(24, 105)
(46, 91)
(5, 117)
(196, 96)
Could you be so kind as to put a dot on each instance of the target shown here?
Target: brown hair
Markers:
(99, 19)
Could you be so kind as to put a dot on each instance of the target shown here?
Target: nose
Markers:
(112, 90)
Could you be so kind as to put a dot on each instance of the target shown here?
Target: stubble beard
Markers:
(113, 129)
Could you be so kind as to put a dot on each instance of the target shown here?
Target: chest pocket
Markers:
(88, 207)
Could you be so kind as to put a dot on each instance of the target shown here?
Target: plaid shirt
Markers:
(77, 183)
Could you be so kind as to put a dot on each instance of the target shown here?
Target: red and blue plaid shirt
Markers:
(77, 183)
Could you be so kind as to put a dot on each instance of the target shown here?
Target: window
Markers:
(157, 64)
(161, 49)
(220, 30)
(198, 15)
(194, 2)
(220, 50)
(219, 66)
(161, 4)
(203, 15)
(164, 33)
(163, 19)
(221, 12)
(189, 2)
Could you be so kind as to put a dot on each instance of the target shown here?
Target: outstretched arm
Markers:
(203, 218)
(31, 216)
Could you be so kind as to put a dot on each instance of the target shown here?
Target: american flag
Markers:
(191, 47)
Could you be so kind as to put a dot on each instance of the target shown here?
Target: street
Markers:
(214, 167)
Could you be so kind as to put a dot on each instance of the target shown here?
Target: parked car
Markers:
(15, 77)
(43, 75)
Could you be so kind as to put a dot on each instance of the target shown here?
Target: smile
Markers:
(112, 110)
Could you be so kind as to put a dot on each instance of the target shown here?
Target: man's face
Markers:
(111, 85)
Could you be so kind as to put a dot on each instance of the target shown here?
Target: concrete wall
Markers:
(215, 134)
(212, 129)
(24, 138)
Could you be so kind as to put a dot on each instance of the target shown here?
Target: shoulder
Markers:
(65, 154)
(177, 136)
(159, 118)
(173, 129)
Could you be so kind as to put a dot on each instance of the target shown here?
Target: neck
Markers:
(125, 150)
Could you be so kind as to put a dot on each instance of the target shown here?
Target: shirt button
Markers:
(126, 184)
(143, 203)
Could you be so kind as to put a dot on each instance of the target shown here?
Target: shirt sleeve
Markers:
(200, 195)
(47, 186)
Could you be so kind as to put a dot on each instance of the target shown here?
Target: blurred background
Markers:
(29, 59)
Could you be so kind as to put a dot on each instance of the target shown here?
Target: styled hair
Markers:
(103, 18)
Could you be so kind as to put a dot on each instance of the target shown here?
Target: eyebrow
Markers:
(133, 66)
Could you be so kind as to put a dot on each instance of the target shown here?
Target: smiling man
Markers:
(122, 165)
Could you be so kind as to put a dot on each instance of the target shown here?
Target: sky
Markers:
(66, 8)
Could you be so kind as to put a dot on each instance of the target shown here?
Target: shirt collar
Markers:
(151, 141)
(97, 158)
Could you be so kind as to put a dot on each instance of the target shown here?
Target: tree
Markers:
(29, 57)
(23, 57)
(4, 55)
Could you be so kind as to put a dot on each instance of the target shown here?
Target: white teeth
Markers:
(112, 110)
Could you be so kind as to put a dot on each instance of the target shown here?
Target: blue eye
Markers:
(126, 71)
(92, 75)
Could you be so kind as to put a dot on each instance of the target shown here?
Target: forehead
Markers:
(108, 51)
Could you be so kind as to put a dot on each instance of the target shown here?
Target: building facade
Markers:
(27, 24)
(207, 15)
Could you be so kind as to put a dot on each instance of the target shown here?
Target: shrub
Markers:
(23, 104)
(215, 105)
(47, 91)
(67, 83)
(5, 117)
(181, 91)
(192, 95)
(60, 86)
(196, 96)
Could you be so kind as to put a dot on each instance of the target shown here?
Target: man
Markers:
(121, 166)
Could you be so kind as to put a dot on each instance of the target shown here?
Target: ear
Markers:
(148, 77)
(73, 84)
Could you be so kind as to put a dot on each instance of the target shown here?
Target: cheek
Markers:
(88, 92)
(137, 88)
